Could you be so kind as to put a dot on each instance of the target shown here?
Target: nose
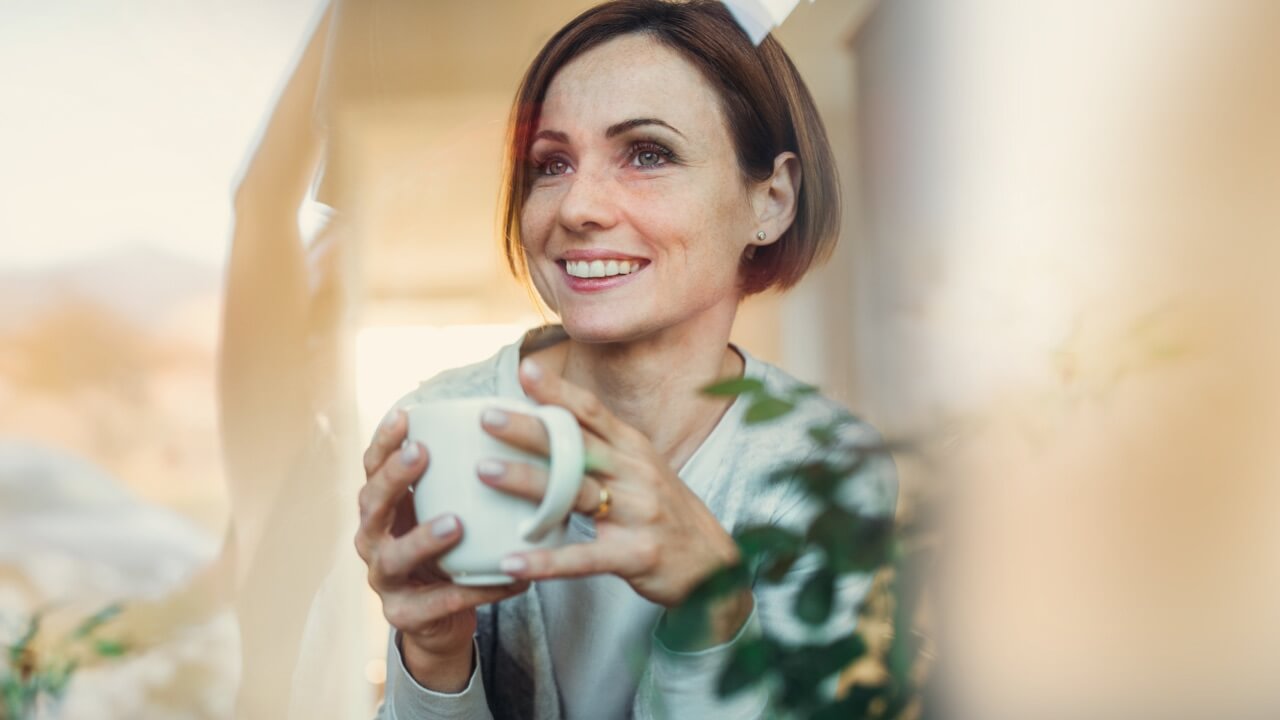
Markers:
(589, 203)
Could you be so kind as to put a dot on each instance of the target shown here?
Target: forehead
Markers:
(628, 77)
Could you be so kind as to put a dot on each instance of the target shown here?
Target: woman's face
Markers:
(637, 215)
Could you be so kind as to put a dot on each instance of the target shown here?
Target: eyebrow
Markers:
(612, 131)
(626, 125)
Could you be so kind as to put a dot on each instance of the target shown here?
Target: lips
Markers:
(601, 268)
(594, 274)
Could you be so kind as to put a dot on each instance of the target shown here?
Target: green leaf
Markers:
(767, 407)
(769, 549)
(852, 542)
(799, 681)
(823, 435)
(17, 699)
(723, 581)
(94, 621)
(805, 669)
(57, 679)
(747, 666)
(109, 648)
(837, 655)
(800, 391)
(758, 540)
(684, 626)
(813, 603)
(17, 649)
(734, 386)
(776, 569)
(818, 478)
(854, 705)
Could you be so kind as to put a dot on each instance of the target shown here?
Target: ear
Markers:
(774, 199)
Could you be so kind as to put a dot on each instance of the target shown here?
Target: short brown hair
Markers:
(767, 105)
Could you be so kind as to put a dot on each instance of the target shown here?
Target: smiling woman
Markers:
(660, 169)
(612, 177)
(758, 105)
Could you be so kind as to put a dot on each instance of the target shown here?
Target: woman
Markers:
(660, 169)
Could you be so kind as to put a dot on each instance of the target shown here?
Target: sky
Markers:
(127, 123)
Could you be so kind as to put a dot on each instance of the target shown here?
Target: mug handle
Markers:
(564, 476)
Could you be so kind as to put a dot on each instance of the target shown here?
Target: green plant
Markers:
(33, 677)
(843, 541)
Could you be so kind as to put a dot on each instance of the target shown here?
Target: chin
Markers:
(597, 329)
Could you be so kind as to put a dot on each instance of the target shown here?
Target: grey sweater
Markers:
(584, 648)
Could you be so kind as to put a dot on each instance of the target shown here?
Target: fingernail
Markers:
(410, 453)
(531, 369)
(444, 526)
(491, 468)
(494, 418)
(390, 419)
(513, 564)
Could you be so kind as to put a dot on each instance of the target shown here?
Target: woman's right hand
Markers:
(435, 617)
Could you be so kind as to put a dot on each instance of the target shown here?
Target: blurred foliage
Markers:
(34, 678)
(77, 343)
(802, 678)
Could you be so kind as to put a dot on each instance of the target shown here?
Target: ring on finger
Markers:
(606, 504)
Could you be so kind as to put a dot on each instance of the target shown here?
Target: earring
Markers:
(761, 236)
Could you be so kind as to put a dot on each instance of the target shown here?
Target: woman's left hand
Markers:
(657, 535)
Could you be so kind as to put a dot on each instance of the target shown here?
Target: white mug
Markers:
(494, 523)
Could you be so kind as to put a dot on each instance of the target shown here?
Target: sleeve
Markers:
(683, 684)
(405, 699)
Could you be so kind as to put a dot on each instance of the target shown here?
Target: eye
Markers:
(553, 167)
(648, 158)
(650, 155)
(550, 167)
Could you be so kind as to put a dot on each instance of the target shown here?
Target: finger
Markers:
(396, 558)
(378, 497)
(527, 433)
(386, 439)
(530, 482)
(578, 560)
(413, 610)
(521, 431)
(551, 389)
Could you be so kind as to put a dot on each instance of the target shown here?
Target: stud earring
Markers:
(761, 236)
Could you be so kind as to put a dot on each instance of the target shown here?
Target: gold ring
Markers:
(606, 502)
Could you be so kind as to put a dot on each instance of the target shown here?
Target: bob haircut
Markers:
(767, 106)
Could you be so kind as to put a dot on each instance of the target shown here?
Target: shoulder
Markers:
(793, 435)
(816, 429)
(474, 380)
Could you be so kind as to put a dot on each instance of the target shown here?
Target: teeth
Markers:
(600, 268)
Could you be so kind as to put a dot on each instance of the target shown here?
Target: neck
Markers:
(653, 384)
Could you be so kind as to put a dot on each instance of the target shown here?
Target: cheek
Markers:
(678, 220)
(536, 217)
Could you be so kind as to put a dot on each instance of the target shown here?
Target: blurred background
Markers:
(1060, 227)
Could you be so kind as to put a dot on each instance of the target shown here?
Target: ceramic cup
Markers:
(494, 523)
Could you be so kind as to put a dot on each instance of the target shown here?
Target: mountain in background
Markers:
(140, 284)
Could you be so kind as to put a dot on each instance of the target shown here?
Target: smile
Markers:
(600, 268)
